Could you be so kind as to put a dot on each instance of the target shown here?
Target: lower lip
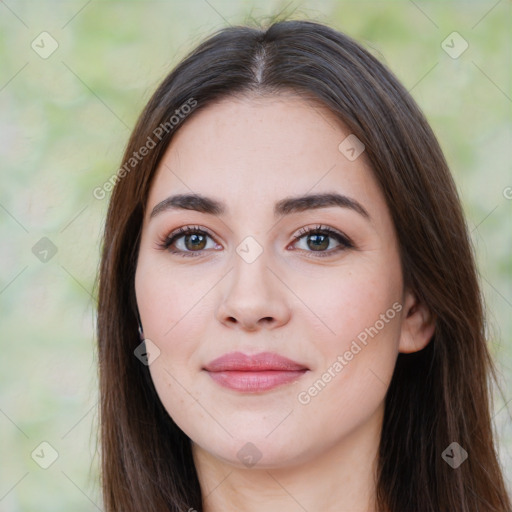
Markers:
(255, 381)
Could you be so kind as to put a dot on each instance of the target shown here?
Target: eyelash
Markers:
(344, 241)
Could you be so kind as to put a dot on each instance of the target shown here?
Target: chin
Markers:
(257, 453)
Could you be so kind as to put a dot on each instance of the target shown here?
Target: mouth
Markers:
(254, 373)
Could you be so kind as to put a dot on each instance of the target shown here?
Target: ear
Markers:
(418, 325)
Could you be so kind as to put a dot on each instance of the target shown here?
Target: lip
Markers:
(253, 373)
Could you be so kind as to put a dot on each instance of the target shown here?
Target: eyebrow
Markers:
(285, 206)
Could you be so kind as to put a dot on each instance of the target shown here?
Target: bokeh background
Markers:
(74, 76)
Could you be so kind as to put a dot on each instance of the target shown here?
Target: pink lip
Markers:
(252, 373)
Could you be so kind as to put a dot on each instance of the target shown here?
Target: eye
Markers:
(319, 239)
(192, 240)
(187, 241)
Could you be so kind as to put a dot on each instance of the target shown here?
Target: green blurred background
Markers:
(65, 118)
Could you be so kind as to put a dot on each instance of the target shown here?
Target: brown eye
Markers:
(319, 239)
(187, 241)
(194, 241)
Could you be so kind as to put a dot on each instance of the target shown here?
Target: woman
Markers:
(289, 316)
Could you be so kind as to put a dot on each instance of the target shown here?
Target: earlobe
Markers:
(418, 325)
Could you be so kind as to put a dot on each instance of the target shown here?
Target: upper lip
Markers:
(264, 361)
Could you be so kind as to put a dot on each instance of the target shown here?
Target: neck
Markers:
(341, 479)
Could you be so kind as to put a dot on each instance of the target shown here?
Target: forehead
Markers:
(251, 151)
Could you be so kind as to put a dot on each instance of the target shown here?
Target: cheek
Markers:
(170, 308)
(168, 300)
(358, 302)
(360, 326)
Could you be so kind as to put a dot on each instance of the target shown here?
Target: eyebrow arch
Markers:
(285, 206)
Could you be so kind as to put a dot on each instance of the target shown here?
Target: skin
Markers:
(250, 152)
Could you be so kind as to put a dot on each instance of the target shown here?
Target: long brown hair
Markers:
(437, 396)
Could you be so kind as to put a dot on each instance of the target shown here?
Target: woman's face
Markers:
(333, 303)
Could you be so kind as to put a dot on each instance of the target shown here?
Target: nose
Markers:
(253, 297)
